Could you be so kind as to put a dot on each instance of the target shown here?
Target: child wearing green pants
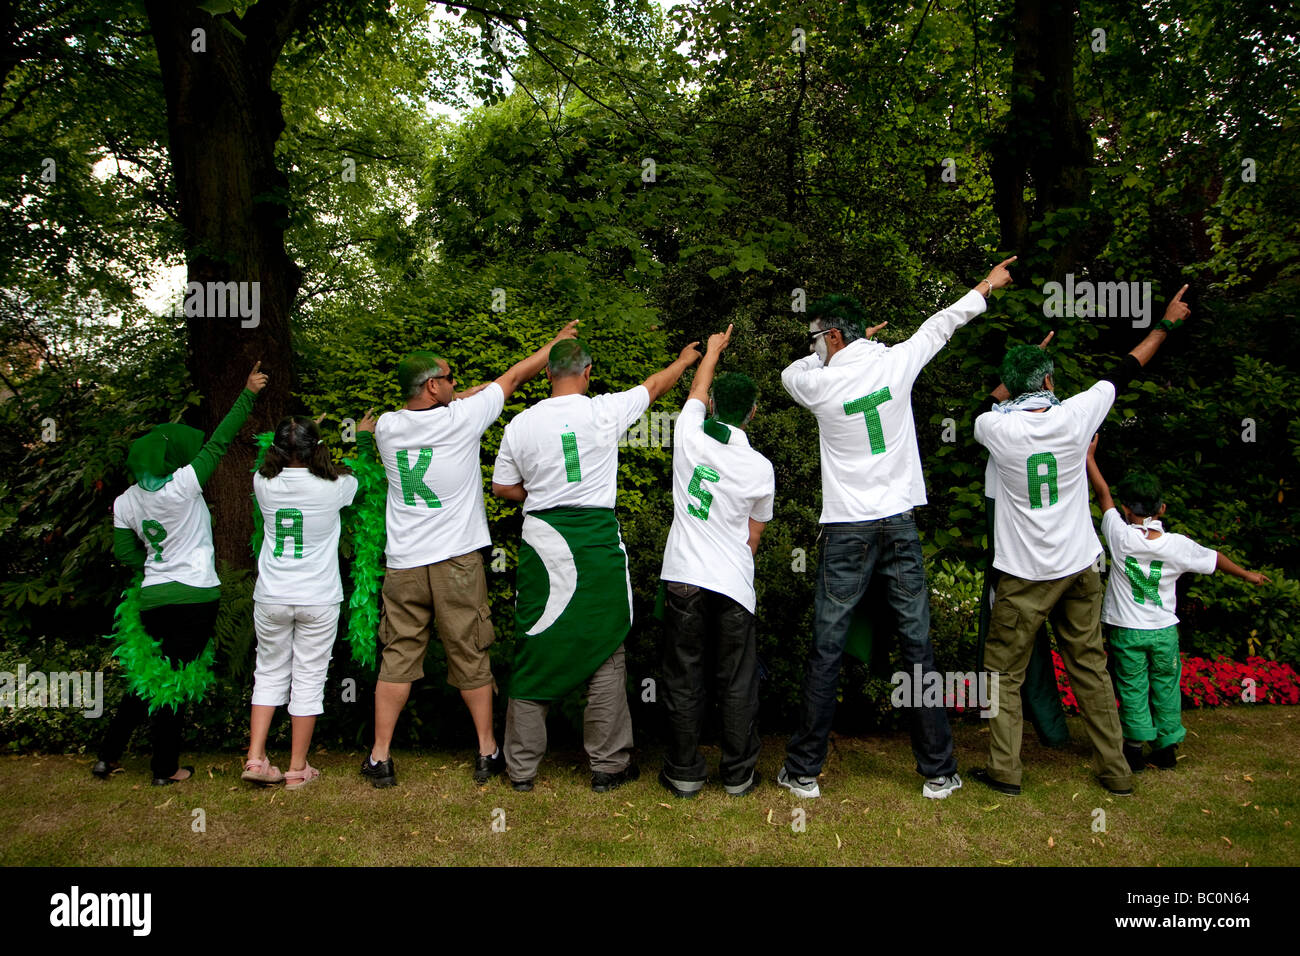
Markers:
(1146, 562)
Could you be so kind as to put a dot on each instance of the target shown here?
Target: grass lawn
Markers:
(1234, 800)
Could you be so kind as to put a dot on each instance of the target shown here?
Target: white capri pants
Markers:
(293, 654)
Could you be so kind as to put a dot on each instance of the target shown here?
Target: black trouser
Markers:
(183, 631)
(703, 631)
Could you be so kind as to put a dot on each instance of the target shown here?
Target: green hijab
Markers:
(153, 458)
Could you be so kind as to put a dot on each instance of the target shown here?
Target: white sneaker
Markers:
(805, 787)
(938, 788)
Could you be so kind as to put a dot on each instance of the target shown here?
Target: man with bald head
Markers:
(559, 458)
(436, 524)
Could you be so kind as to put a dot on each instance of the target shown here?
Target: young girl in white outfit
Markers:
(300, 492)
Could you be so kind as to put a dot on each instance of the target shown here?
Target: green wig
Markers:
(733, 396)
(1024, 369)
(567, 357)
(841, 312)
(1140, 491)
(416, 369)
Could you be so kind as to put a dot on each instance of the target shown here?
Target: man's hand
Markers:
(256, 379)
(1043, 344)
(999, 277)
(690, 355)
(1177, 309)
(1256, 578)
(367, 424)
(570, 331)
(470, 391)
(718, 341)
(874, 329)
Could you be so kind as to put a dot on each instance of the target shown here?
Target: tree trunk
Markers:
(223, 121)
(1044, 142)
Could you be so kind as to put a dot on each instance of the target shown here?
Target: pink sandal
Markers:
(296, 779)
(261, 772)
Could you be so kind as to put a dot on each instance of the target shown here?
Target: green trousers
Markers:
(1148, 672)
(1073, 604)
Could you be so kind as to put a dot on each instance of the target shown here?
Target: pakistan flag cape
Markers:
(574, 606)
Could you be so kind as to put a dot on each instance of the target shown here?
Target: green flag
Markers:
(574, 604)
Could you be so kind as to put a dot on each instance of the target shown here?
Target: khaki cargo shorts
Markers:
(455, 591)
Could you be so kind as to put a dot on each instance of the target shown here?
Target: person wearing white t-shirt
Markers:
(161, 524)
(436, 524)
(861, 393)
(573, 608)
(299, 492)
(723, 492)
(1138, 610)
(1045, 546)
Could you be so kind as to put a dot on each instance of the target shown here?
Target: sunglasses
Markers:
(812, 336)
(451, 379)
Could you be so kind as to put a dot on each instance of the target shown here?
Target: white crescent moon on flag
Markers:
(558, 560)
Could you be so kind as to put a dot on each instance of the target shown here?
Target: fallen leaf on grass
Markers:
(1246, 804)
(666, 806)
(838, 842)
(1005, 862)
(1204, 810)
(617, 814)
(628, 837)
(1075, 797)
(164, 803)
(769, 816)
(1226, 840)
(989, 809)
(1050, 842)
(1248, 778)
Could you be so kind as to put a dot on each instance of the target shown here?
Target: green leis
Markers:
(150, 675)
(363, 524)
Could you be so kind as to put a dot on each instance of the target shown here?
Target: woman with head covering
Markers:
(161, 523)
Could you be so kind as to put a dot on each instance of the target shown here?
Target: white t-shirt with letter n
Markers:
(871, 466)
(299, 560)
(176, 528)
(565, 449)
(1042, 528)
(435, 505)
(717, 488)
(1143, 573)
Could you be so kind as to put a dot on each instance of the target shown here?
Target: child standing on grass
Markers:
(1146, 562)
(300, 492)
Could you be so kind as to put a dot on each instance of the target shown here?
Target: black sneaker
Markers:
(485, 767)
(602, 782)
(382, 774)
(523, 786)
(104, 769)
(742, 789)
(1133, 754)
(1166, 758)
(168, 781)
(667, 783)
(1010, 789)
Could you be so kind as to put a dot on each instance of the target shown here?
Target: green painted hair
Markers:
(733, 396)
(1140, 491)
(1024, 369)
(567, 357)
(841, 312)
(416, 369)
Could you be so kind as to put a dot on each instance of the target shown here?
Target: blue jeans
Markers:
(851, 553)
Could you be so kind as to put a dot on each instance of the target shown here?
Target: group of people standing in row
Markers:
(558, 460)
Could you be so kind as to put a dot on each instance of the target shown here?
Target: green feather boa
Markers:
(363, 525)
(150, 675)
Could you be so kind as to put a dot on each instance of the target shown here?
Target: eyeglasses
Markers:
(812, 336)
